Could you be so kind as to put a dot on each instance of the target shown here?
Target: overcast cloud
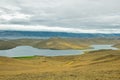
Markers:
(94, 16)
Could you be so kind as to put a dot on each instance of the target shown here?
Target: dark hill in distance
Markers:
(54, 34)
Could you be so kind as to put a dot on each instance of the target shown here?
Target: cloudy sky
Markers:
(83, 16)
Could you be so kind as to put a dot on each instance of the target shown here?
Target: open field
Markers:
(94, 65)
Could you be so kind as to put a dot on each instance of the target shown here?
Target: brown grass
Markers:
(95, 65)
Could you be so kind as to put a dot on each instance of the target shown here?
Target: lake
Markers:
(30, 51)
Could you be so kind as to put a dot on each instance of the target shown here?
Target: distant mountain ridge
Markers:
(55, 34)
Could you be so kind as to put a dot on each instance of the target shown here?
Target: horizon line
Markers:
(42, 28)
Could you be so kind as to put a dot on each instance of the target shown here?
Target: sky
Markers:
(77, 16)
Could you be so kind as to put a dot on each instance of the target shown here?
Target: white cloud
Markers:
(56, 29)
(82, 15)
(14, 16)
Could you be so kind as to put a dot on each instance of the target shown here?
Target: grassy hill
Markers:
(7, 45)
(53, 43)
(94, 65)
(117, 45)
(59, 43)
(56, 43)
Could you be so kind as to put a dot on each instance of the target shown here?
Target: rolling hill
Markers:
(59, 43)
(94, 65)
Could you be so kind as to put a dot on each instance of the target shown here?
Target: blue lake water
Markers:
(30, 51)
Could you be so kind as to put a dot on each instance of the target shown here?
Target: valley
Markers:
(91, 65)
